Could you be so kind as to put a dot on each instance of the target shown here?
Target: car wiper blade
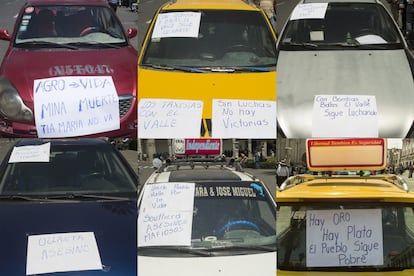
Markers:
(175, 67)
(179, 249)
(48, 43)
(86, 196)
(265, 248)
(95, 43)
(232, 69)
(303, 44)
(25, 198)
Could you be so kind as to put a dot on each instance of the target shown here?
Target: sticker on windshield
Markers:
(166, 215)
(75, 106)
(248, 190)
(38, 153)
(309, 11)
(177, 24)
(62, 252)
(344, 238)
(344, 116)
(244, 119)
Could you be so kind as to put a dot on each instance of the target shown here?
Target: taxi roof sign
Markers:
(346, 154)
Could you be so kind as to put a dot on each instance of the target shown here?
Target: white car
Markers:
(203, 218)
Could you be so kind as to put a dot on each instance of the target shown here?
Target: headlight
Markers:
(11, 104)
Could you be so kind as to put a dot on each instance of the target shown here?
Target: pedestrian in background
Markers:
(243, 160)
(282, 172)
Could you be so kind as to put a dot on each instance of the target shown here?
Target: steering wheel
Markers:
(88, 30)
(233, 223)
(239, 48)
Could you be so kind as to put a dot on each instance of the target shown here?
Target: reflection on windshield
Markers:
(68, 24)
(225, 38)
(343, 24)
(340, 238)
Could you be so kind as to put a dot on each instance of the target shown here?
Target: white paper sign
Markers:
(177, 24)
(168, 119)
(345, 116)
(244, 119)
(344, 238)
(62, 252)
(309, 11)
(75, 106)
(37, 153)
(166, 214)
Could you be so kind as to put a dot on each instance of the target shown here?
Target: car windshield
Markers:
(345, 25)
(345, 237)
(72, 170)
(228, 218)
(224, 39)
(57, 26)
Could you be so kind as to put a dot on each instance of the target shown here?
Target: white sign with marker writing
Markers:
(60, 252)
(75, 106)
(166, 214)
(168, 119)
(345, 116)
(244, 119)
(35, 153)
(309, 11)
(177, 24)
(344, 237)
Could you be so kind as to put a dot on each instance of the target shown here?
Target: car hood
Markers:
(206, 86)
(386, 74)
(22, 67)
(240, 265)
(113, 223)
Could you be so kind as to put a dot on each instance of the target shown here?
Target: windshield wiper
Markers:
(265, 248)
(96, 43)
(232, 69)
(187, 250)
(25, 198)
(303, 44)
(176, 68)
(48, 43)
(86, 196)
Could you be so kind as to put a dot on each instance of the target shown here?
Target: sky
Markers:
(394, 143)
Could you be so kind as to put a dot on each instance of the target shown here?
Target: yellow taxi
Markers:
(333, 224)
(208, 50)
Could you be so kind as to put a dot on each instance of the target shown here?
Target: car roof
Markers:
(210, 4)
(200, 171)
(66, 2)
(313, 188)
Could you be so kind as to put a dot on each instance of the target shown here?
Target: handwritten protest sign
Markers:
(167, 119)
(75, 106)
(244, 119)
(309, 11)
(177, 24)
(62, 252)
(345, 116)
(38, 153)
(344, 237)
(166, 214)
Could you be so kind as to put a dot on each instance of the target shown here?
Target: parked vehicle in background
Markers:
(347, 51)
(202, 215)
(356, 224)
(69, 71)
(67, 206)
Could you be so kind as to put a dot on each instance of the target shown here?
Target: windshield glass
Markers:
(68, 24)
(344, 24)
(336, 237)
(227, 218)
(70, 170)
(224, 39)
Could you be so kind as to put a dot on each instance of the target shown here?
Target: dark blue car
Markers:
(67, 207)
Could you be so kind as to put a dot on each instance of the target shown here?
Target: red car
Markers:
(69, 71)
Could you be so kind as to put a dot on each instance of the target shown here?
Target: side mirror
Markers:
(132, 32)
(5, 35)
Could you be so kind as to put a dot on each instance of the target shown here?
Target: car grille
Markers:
(125, 102)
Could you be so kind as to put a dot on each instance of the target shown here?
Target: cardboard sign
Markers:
(309, 11)
(37, 153)
(62, 252)
(177, 24)
(167, 119)
(344, 116)
(344, 238)
(246, 119)
(75, 106)
(166, 215)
